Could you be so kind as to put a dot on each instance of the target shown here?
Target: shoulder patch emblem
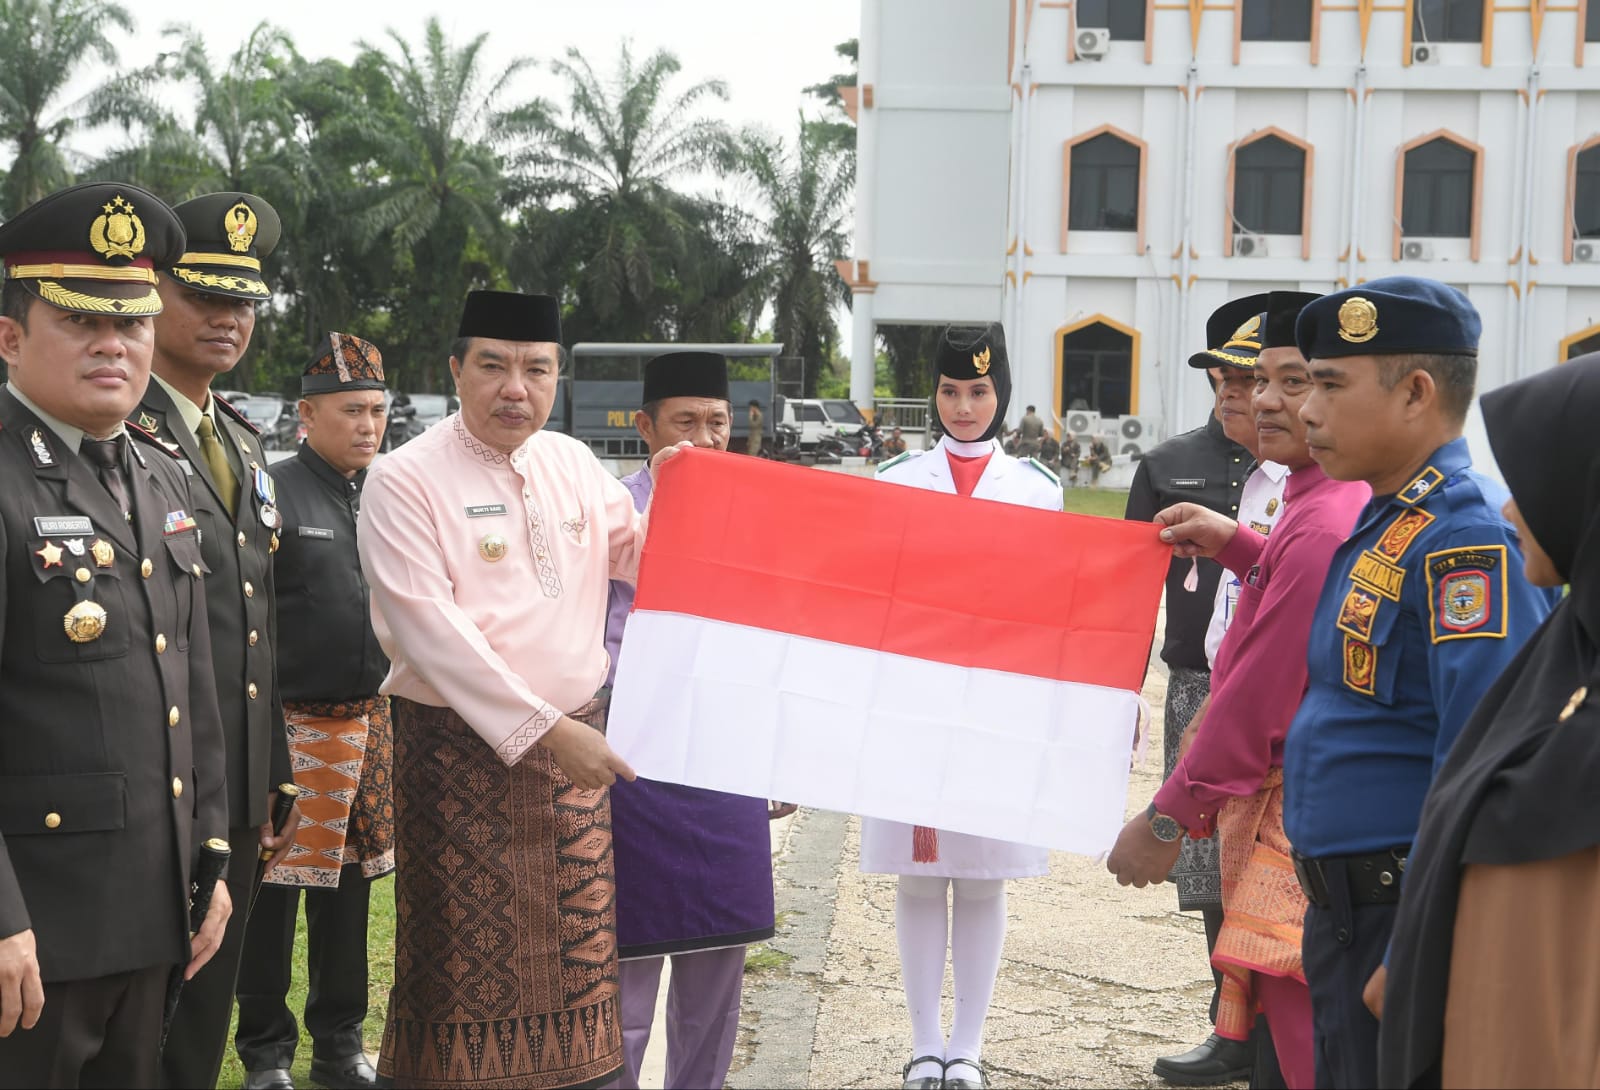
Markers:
(1042, 468)
(1466, 596)
(1421, 486)
(1360, 666)
(1399, 534)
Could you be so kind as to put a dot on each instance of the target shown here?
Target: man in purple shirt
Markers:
(694, 867)
(1230, 780)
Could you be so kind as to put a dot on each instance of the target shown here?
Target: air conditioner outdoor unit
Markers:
(1245, 245)
(1135, 434)
(1092, 42)
(1416, 250)
(1083, 422)
(1586, 251)
(1425, 53)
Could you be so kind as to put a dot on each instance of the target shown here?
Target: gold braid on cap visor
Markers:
(125, 275)
(227, 283)
(142, 306)
(237, 261)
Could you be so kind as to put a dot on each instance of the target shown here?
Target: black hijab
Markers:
(971, 353)
(1519, 784)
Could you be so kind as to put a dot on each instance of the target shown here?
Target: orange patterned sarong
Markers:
(1263, 906)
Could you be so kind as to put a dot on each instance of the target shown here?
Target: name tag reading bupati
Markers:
(484, 510)
(316, 532)
(61, 525)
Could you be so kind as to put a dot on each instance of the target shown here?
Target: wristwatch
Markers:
(1166, 829)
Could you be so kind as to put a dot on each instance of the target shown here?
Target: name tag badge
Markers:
(485, 510)
(61, 525)
(315, 531)
(1188, 482)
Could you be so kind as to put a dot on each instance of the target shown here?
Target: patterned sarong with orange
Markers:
(343, 755)
(1263, 905)
(505, 904)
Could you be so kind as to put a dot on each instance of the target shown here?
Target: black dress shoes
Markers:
(923, 1082)
(1215, 1061)
(353, 1072)
(272, 1078)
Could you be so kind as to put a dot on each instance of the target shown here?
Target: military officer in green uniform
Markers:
(210, 292)
(111, 752)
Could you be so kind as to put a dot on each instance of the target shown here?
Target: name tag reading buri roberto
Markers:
(61, 525)
(485, 510)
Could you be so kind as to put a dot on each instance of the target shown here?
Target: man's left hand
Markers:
(1141, 858)
(1372, 994)
(278, 845)
(663, 455)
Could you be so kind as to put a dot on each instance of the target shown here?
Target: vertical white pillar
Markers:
(863, 342)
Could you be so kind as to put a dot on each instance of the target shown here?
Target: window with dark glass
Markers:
(1447, 21)
(1591, 22)
(1269, 187)
(1586, 192)
(1104, 185)
(1097, 370)
(1276, 21)
(1124, 18)
(1438, 191)
(1583, 347)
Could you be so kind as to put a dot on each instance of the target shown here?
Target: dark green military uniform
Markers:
(111, 759)
(228, 234)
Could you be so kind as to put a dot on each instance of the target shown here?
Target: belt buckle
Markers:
(1310, 880)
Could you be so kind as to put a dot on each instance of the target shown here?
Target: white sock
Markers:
(921, 922)
(977, 935)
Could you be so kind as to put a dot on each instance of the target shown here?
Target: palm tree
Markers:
(805, 193)
(43, 44)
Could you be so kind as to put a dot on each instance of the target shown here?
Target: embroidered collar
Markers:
(482, 451)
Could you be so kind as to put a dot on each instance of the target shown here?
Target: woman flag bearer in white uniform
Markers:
(974, 387)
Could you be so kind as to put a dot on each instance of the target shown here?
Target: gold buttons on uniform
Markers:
(146, 568)
(243, 539)
(254, 636)
(196, 569)
(52, 820)
(249, 590)
(161, 643)
(252, 690)
(177, 788)
(173, 716)
(83, 575)
(1574, 704)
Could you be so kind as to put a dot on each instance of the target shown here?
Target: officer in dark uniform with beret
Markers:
(210, 292)
(111, 752)
(1424, 605)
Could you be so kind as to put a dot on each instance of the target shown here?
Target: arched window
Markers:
(1581, 344)
(1447, 21)
(1275, 21)
(1098, 358)
(1124, 18)
(1586, 191)
(1439, 185)
(1269, 187)
(1103, 179)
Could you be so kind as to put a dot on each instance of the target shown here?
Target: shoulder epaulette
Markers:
(222, 403)
(897, 459)
(150, 438)
(1042, 468)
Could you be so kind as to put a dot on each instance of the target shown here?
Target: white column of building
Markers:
(863, 340)
(1023, 347)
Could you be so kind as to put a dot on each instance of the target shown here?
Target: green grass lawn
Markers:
(1108, 503)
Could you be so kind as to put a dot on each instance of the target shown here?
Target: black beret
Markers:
(971, 352)
(511, 316)
(229, 233)
(93, 248)
(343, 362)
(686, 374)
(1233, 334)
(1391, 316)
(1283, 310)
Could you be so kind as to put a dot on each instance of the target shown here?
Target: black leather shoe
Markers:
(353, 1072)
(925, 1082)
(1215, 1061)
(273, 1078)
(959, 1083)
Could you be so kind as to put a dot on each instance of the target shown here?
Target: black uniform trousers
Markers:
(336, 956)
(199, 1033)
(1342, 947)
(91, 1033)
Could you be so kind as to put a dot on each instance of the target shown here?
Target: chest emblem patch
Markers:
(1360, 666)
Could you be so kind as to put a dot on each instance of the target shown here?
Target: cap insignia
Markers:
(240, 226)
(1358, 320)
(117, 232)
(1248, 329)
(980, 361)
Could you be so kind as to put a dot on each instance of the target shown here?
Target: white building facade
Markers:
(1101, 174)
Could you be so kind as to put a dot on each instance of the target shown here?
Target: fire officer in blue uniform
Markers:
(1424, 605)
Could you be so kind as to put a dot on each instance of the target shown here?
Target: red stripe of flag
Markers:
(903, 570)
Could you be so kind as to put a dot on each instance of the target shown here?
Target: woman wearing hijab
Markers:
(974, 386)
(1491, 970)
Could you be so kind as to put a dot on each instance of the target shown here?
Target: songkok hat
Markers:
(229, 234)
(1233, 334)
(343, 362)
(511, 316)
(93, 248)
(968, 352)
(1283, 310)
(686, 374)
(1391, 316)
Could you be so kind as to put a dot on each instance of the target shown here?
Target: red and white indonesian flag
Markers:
(875, 649)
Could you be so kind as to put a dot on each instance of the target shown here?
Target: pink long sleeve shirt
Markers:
(490, 574)
(1260, 674)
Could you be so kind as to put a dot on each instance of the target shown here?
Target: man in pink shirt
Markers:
(1230, 781)
(490, 545)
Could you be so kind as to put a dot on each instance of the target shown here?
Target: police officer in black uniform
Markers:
(111, 752)
(210, 292)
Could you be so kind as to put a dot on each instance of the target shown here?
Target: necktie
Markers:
(217, 461)
(106, 457)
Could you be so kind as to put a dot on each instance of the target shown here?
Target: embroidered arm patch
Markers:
(1467, 593)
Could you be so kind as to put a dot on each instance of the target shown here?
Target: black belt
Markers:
(1372, 879)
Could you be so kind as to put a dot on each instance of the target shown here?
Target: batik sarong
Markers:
(1195, 872)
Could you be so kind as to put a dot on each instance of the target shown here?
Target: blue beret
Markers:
(1392, 316)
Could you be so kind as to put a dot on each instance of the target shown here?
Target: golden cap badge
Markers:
(240, 226)
(492, 547)
(85, 622)
(1358, 320)
(1248, 329)
(117, 232)
(980, 361)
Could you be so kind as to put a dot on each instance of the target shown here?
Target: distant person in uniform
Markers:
(753, 441)
(1071, 453)
(894, 445)
(330, 668)
(1098, 459)
(1030, 430)
(110, 742)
